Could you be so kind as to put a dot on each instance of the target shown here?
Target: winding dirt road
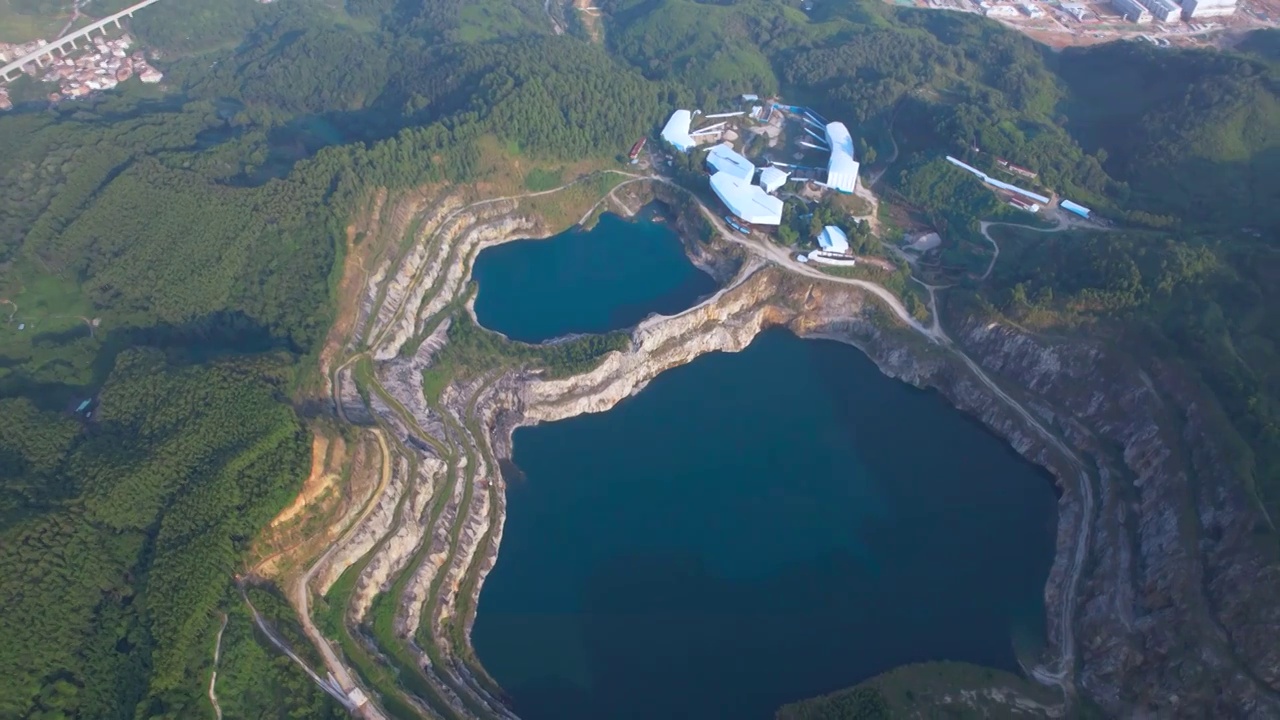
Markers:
(300, 590)
(213, 676)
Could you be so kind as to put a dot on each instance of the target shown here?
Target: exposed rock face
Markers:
(1179, 611)
(1161, 600)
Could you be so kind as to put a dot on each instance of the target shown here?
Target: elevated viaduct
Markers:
(67, 43)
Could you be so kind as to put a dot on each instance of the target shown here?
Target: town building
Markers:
(103, 64)
(676, 131)
(1207, 8)
(842, 168)
(1076, 10)
(1132, 10)
(749, 203)
(724, 159)
(1001, 11)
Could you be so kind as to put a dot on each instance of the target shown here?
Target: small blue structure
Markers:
(84, 405)
(1080, 210)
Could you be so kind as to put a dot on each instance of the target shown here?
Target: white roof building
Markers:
(749, 202)
(1001, 11)
(725, 159)
(833, 239)
(1208, 8)
(676, 130)
(771, 178)
(842, 169)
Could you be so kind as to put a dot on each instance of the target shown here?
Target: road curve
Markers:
(337, 693)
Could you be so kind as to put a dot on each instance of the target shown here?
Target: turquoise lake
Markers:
(753, 529)
(607, 278)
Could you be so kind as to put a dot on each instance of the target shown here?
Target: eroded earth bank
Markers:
(1156, 533)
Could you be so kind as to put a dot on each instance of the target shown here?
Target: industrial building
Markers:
(676, 131)
(832, 239)
(748, 202)
(1207, 8)
(1080, 210)
(1021, 204)
(724, 159)
(772, 179)
(1132, 10)
(998, 183)
(1016, 169)
(833, 248)
(842, 168)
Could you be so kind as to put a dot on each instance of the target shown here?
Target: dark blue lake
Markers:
(608, 278)
(749, 530)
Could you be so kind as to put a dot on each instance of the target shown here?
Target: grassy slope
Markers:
(19, 24)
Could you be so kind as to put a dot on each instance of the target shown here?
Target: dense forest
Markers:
(170, 256)
(120, 534)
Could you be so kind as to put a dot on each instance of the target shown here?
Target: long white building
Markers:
(1207, 8)
(676, 131)
(748, 202)
(842, 168)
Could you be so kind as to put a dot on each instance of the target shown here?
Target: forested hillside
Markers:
(171, 256)
(171, 259)
(120, 535)
(1195, 134)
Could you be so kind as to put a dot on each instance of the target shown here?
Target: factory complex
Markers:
(1051, 14)
(774, 158)
(1020, 197)
(749, 203)
(748, 191)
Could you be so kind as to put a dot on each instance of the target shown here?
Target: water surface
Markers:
(753, 529)
(608, 278)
